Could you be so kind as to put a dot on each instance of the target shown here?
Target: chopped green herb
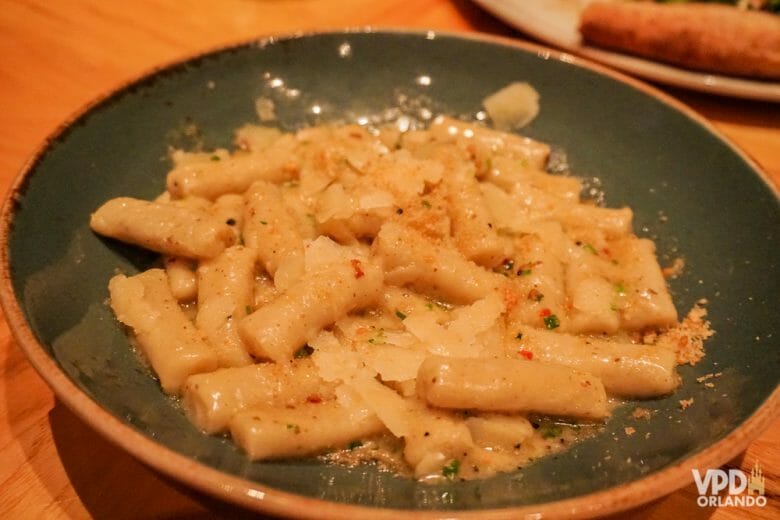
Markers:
(589, 248)
(552, 431)
(524, 272)
(620, 289)
(430, 306)
(552, 322)
(401, 315)
(426, 204)
(613, 307)
(524, 163)
(354, 444)
(294, 428)
(264, 222)
(379, 339)
(488, 164)
(215, 158)
(304, 351)
(519, 335)
(248, 309)
(451, 470)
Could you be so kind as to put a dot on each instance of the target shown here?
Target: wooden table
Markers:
(55, 56)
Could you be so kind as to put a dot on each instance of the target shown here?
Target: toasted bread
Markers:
(707, 37)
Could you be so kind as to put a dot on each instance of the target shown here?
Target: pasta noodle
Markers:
(171, 343)
(511, 385)
(434, 290)
(225, 290)
(171, 229)
(211, 399)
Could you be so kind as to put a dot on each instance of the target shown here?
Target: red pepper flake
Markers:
(314, 398)
(356, 266)
(527, 354)
(606, 251)
(545, 312)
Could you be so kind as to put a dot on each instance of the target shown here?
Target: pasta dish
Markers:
(430, 299)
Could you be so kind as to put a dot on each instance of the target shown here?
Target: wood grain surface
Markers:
(56, 56)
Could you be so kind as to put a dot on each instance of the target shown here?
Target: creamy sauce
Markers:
(548, 438)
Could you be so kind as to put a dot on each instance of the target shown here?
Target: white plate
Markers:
(555, 22)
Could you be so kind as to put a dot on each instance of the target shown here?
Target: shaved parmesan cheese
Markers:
(323, 251)
(460, 337)
(513, 106)
(392, 409)
(393, 363)
(348, 398)
(313, 181)
(334, 203)
(376, 199)
(507, 214)
(477, 317)
(338, 366)
(336, 362)
(326, 342)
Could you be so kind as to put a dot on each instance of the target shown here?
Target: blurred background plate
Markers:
(556, 22)
(690, 190)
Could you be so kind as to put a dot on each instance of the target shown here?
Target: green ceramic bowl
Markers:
(649, 153)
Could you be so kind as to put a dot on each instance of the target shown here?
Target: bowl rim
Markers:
(264, 498)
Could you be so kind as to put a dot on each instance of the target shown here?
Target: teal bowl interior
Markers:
(720, 216)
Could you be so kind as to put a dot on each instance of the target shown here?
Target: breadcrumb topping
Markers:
(685, 403)
(687, 338)
(674, 270)
(640, 413)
